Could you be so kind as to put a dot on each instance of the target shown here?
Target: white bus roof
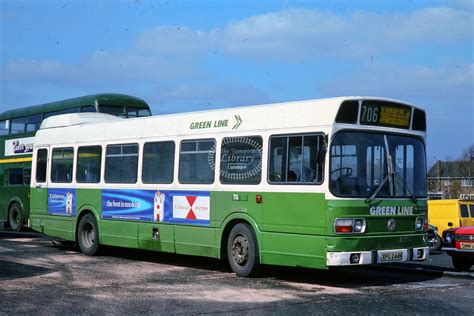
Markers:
(289, 115)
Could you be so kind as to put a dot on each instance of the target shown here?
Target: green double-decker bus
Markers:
(17, 131)
(317, 183)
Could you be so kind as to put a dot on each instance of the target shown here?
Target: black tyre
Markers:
(435, 243)
(15, 217)
(460, 264)
(88, 235)
(242, 250)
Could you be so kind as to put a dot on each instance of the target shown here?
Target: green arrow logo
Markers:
(238, 122)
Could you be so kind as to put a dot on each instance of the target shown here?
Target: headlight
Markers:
(358, 225)
(419, 223)
(449, 237)
(349, 225)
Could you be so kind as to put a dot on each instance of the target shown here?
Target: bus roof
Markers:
(291, 116)
(103, 98)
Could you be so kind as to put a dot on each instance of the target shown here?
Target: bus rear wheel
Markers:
(242, 250)
(88, 235)
(15, 218)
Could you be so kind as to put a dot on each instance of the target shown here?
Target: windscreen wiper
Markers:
(390, 173)
(404, 186)
(379, 187)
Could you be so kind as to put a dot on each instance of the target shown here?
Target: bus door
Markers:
(39, 194)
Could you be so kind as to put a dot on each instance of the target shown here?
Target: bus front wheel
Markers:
(15, 218)
(88, 235)
(242, 250)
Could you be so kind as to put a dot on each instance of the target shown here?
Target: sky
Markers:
(184, 56)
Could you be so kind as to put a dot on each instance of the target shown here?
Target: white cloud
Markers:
(299, 34)
(172, 40)
(172, 56)
(205, 95)
(451, 85)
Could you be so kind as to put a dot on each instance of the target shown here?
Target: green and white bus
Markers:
(17, 131)
(317, 183)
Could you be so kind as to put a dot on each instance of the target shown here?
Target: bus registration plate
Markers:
(467, 245)
(392, 256)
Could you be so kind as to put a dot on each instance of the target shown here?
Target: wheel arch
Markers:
(229, 223)
(15, 199)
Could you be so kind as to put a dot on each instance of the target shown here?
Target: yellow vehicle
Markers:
(450, 213)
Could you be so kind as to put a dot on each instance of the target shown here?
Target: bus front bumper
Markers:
(376, 256)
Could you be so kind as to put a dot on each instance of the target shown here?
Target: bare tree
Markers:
(466, 166)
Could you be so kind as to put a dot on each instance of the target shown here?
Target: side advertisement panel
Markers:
(62, 202)
(180, 207)
(19, 146)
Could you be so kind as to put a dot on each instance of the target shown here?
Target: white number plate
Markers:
(467, 245)
(391, 256)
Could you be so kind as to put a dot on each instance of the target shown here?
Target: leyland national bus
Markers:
(316, 184)
(17, 130)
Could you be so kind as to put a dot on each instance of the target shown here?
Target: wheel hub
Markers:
(240, 249)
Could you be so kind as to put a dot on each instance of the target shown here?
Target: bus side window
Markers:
(15, 176)
(296, 159)
(464, 212)
(61, 166)
(18, 125)
(27, 176)
(113, 110)
(41, 163)
(241, 160)
(33, 122)
(49, 114)
(137, 112)
(121, 163)
(194, 159)
(4, 127)
(88, 164)
(88, 108)
(70, 110)
(471, 210)
(158, 162)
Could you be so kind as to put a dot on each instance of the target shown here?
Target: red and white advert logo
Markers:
(191, 207)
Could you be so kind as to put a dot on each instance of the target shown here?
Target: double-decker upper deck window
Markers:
(121, 163)
(241, 160)
(18, 125)
(61, 166)
(137, 112)
(41, 163)
(52, 113)
(88, 108)
(113, 110)
(296, 159)
(4, 127)
(158, 162)
(196, 161)
(70, 110)
(33, 122)
(88, 164)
